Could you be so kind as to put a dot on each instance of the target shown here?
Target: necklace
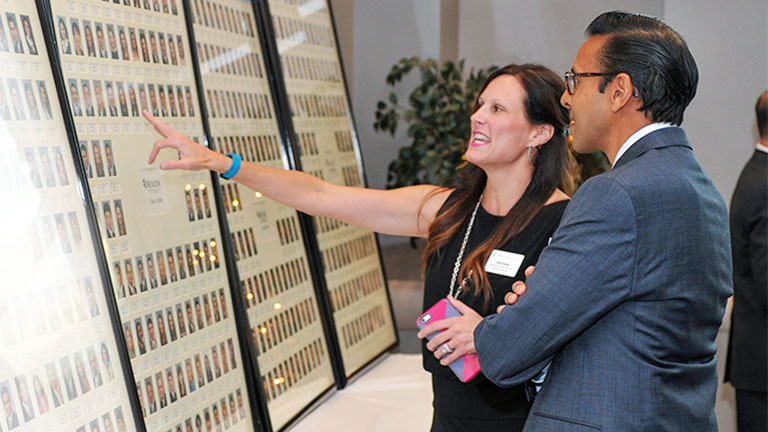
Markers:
(457, 264)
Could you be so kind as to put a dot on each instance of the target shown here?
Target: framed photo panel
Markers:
(327, 147)
(160, 230)
(269, 249)
(61, 367)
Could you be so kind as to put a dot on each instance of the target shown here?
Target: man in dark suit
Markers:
(11, 418)
(626, 301)
(747, 363)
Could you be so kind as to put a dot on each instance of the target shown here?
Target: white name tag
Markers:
(504, 263)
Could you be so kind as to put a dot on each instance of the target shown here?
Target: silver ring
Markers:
(445, 349)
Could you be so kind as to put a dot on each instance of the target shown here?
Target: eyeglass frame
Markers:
(570, 78)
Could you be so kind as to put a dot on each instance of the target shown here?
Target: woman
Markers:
(510, 191)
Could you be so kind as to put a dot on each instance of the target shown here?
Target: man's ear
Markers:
(541, 135)
(621, 91)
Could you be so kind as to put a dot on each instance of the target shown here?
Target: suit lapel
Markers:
(667, 137)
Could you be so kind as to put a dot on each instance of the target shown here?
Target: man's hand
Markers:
(518, 289)
(458, 337)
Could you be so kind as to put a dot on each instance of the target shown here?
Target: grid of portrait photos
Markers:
(57, 350)
(159, 228)
(268, 244)
(323, 125)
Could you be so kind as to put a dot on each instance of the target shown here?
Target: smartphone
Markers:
(468, 365)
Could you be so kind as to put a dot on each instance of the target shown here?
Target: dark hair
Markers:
(761, 110)
(543, 89)
(655, 56)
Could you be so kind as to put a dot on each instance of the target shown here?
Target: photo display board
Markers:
(160, 229)
(269, 249)
(328, 149)
(59, 363)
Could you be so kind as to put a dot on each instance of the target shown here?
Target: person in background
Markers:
(747, 365)
(509, 196)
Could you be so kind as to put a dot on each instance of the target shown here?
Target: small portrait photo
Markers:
(113, 50)
(120, 216)
(151, 332)
(16, 103)
(25, 398)
(144, 46)
(61, 230)
(90, 43)
(110, 158)
(162, 334)
(42, 92)
(98, 161)
(142, 274)
(111, 99)
(161, 269)
(123, 99)
(64, 44)
(98, 93)
(170, 378)
(74, 227)
(199, 313)
(120, 420)
(93, 364)
(198, 204)
(207, 308)
(223, 302)
(29, 96)
(129, 342)
(10, 412)
(207, 257)
(90, 297)
(172, 50)
(190, 375)
(45, 163)
(151, 400)
(190, 317)
(190, 207)
(84, 157)
(134, 44)
(190, 261)
(82, 374)
(180, 98)
(153, 100)
(100, 42)
(143, 97)
(151, 271)
(123, 42)
(31, 167)
(180, 258)
(163, 48)
(48, 234)
(13, 29)
(153, 48)
(163, 101)
(68, 378)
(180, 317)
(61, 168)
(87, 99)
(180, 50)
(171, 324)
(5, 111)
(106, 361)
(172, 101)
(77, 37)
(108, 425)
(181, 381)
(74, 96)
(171, 266)
(41, 395)
(54, 385)
(94, 424)
(140, 336)
(215, 251)
(118, 283)
(162, 397)
(109, 222)
(132, 98)
(215, 302)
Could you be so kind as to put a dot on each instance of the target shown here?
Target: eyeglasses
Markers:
(570, 78)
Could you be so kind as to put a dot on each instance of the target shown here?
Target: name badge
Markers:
(504, 263)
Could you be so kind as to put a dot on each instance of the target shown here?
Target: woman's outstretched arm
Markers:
(396, 211)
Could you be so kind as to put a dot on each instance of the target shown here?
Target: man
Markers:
(98, 162)
(151, 271)
(129, 277)
(11, 418)
(627, 299)
(101, 107)
(111, 99)
(75, 95)
(89, 111)
(142, 276)
(171, 386)
(747, 363)
(108, 222)
(111, 169)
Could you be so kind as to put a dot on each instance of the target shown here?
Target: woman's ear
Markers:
(541, 135)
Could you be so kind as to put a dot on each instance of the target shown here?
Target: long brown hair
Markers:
(543, 89)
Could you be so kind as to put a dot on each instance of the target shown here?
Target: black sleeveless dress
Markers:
(480, 405)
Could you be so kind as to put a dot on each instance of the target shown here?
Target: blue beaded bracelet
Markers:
(236, 160)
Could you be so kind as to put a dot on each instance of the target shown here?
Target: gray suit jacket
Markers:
(626, 300)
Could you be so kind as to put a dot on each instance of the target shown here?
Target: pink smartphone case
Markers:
(468, 365)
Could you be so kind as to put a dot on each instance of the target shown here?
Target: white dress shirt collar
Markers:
(761, 147)
(636, 137)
